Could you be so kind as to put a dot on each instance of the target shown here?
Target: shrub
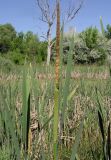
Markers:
(6, 64)
(16, 57)
(89, 47)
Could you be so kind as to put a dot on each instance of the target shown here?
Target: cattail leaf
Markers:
(61, 67)
(102, 26)
(77, 140)
(108, 143)
(67, 80)
(101, 126)
(26, 106)
(71, 94)
(46, 123)
(77, 157)
(100, 106)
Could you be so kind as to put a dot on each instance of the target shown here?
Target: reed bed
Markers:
(56, 117)
(82, 96)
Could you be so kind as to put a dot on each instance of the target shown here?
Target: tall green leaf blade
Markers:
(102, 26)
(77, 140)
(25, 109)
(101, 125)
(67, 80)
(61, 67)
(108, 143)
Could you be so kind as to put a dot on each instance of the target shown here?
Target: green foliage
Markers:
(16, 57)
(42, 52)
(6, 64)
(31, 43)
(108, 32)
(18, 46)
(89, 47)
(7, 35)
(109, 47)
(90, 37)
(4, 153)
(18, 43)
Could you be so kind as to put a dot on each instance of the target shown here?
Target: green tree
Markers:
(19, 44)
(90, 37)
(35, 49)
(89, 47)
(7, 35)
(42, 54)
(108, 32)
(93, 49)
(31, 42)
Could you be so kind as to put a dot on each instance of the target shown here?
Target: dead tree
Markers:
(48, 16)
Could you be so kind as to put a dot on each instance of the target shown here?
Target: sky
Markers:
(24, 15)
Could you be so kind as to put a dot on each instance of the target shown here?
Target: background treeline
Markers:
(90, 46)
(19, 47)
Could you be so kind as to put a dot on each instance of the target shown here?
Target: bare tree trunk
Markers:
(49, 46)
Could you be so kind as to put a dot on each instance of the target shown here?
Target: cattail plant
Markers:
(26, 132)
(104, 125)
(56, 97)
(102, 26)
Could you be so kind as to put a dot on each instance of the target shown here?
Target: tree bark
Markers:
(49, 46)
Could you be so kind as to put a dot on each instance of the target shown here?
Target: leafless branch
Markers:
(53, 43)
(72, 11)
(44, 36)
(46, 16)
